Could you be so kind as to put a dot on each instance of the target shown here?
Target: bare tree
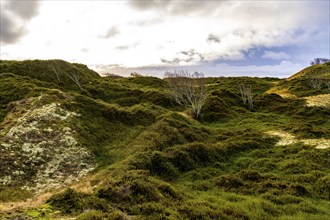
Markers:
(135, 74)
(57, 74)
(112, 75)
(246, 94)
(75, 77)
(188, 90)
(319, 61)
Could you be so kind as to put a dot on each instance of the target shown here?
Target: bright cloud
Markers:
(155, 35)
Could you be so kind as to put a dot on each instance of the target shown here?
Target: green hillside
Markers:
(313, 80)
(121, 148)
(320, 70)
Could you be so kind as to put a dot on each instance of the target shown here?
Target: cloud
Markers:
(123, 47)
(111, 33)
(23, 9)
(102, 68)
(185, 57)
(192, 55)
(175, 7)
(241, 33)
(126, 47)
(151, 4)
(268, 54)
(213, 39)
(173, 61)
(15, 15)
(84, 50)
(147, 22)
(232, 27)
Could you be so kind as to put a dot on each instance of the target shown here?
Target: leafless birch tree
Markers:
(57, 74)
(246, 93)
(75, 77)
(188, 90)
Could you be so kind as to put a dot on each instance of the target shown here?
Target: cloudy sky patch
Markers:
(15, 16)
(216, 37)
(111, 33)
(275, 55)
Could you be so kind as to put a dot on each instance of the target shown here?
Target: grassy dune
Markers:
(130, 152)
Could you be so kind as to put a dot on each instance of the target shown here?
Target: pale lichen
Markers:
(39, 150)
(287, 138)
(318, 100)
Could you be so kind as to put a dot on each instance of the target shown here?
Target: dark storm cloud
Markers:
(14, 17)
(212, 38)
(111, 33)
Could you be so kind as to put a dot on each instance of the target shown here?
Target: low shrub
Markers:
(162, 166)
(250, 175)
(220, 105)
(323, 187)
(229, 181)
(72, 202)
(91, 215)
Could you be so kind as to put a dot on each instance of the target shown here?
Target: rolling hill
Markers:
(77, 145)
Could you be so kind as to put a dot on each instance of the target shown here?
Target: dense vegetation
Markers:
(154, 161)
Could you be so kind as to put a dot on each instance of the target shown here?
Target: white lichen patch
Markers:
(39, 151)
(318, 100)
(287, 138)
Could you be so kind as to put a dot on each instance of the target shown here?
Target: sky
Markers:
(261, 38)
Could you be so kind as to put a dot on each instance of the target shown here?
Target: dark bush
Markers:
(127, 101)
(229, 181)
(251, 175)
(216, 108)
(71, 201)
(162, 166)
(323, 187)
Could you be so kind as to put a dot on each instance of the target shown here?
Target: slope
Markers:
(129, 152)
(311, 81)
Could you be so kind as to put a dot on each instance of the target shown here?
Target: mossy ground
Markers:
(156, 162)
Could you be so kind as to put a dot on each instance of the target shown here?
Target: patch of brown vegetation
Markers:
(318, 100)
(287, 138)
